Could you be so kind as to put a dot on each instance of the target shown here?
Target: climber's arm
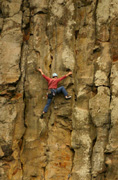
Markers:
(47, 78)
(59, 79)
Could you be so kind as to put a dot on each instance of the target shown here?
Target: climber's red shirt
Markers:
(52, 83)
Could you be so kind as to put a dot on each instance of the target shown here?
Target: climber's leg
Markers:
(63, 90)
(46, 107)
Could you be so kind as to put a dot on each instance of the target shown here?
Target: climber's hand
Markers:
(40, 70)
(70, 73)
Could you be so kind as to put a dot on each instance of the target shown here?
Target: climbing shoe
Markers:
(68, 97)
(41, 116)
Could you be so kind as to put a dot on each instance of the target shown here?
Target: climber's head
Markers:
(54, 75)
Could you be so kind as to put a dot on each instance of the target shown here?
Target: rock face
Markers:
(77, 139)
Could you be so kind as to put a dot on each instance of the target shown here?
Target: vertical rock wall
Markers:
(77, 139)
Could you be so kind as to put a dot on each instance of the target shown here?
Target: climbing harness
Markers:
(51, 93)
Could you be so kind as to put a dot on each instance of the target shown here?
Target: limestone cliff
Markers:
(77, 139)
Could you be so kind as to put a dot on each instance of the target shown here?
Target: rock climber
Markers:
(52, 87)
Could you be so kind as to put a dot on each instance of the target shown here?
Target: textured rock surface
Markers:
(78, 139)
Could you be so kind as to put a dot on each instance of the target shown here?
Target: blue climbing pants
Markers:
(54, 92)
